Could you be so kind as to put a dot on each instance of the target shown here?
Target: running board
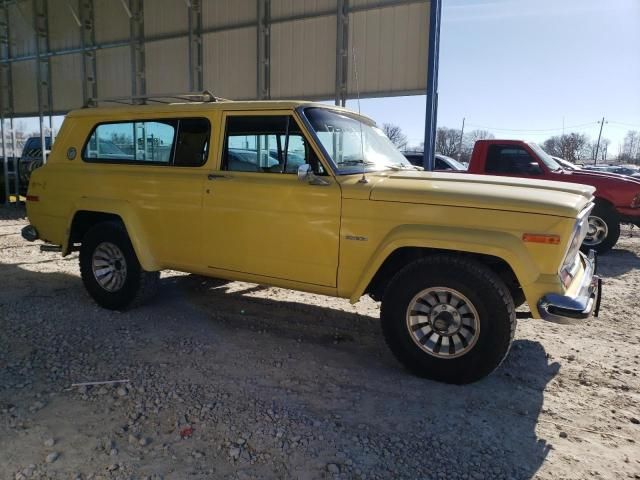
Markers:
(51, 248)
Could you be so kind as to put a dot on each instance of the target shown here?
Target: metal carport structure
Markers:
(58, 55)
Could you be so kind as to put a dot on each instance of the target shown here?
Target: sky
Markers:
(522, 68)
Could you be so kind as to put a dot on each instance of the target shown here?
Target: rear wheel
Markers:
(604, 229)
(110, 269)
(449, 319)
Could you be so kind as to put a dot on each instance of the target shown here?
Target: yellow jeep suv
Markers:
(313, 197)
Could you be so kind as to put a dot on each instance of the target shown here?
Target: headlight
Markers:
(572, 259)
(635, 203)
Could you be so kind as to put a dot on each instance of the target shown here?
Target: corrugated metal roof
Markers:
(230, 63)
(23, 39)
(111, 21)
(218, 14)
(25, 93)
(163, 17)
(390, 49)
(64, 31)
(303, 58)
(166, 64)
(66, 82)
(391, 45)
(113, 67)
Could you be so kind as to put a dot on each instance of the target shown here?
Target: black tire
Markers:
(603, 212)
(518, 297)
(484, 289)
(138, 285)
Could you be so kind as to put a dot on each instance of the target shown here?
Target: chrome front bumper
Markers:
(558, 308)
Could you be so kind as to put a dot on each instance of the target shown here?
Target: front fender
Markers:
(505, 246)
(132, 223)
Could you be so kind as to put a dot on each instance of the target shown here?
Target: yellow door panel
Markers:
(272, 225)
(266, 223)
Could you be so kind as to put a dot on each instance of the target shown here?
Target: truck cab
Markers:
(617, 198)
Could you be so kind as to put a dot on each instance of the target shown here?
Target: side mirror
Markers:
(305, 174)
(534, 169)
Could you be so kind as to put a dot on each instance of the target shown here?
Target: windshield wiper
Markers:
(355, 162)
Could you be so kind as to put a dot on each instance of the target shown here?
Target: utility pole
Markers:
(595, 157)
(460, 144)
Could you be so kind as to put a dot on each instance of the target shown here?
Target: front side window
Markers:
(511, 160)
(179, 142)
(266, 144)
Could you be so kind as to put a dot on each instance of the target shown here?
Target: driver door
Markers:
(258, 218)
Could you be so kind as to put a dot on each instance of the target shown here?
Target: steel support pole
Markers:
(342, 52)
(196, 73)
(431, 118)
(264, 50)
(41, 28)
(136, 37)
(6, 90)
(88, 39)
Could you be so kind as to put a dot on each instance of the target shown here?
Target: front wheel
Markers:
(110, 269)
(448, 318)
(604, 229)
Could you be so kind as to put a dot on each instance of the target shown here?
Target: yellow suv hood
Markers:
(483, 191)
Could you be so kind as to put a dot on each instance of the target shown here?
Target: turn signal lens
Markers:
(540, 238)
(33, 198)
(635, 203)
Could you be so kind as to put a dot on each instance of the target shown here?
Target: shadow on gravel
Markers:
(386, 420)
(12, 212)
(314, 324)
(617, 262)
(501, 411)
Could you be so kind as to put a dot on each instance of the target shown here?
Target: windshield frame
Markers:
(545, 158)
(343, 169)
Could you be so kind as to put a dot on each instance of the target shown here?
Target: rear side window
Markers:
(180, 142)
(192, 145)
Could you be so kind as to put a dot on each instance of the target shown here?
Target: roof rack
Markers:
(202, 97)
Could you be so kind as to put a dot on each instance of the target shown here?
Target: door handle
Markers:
(214, 176)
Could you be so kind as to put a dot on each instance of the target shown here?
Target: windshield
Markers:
(353, 144)
(545, 157)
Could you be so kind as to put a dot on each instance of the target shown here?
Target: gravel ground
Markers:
(236, 380)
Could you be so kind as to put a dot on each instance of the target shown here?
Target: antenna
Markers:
(355, 74)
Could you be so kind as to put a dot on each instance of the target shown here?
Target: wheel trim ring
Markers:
(598, 234)
(109, 267)
(472, 319)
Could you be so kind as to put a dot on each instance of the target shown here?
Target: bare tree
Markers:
(447, 141)
(470, 140)
(631, 147)
(572, 146)
(395, 134)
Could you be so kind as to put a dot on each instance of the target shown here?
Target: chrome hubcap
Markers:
(443, 322)
(109, 266)
(597, 232)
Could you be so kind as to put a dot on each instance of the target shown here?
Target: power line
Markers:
(623, 124)
(533, 129)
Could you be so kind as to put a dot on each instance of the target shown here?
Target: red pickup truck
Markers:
(617, 198)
